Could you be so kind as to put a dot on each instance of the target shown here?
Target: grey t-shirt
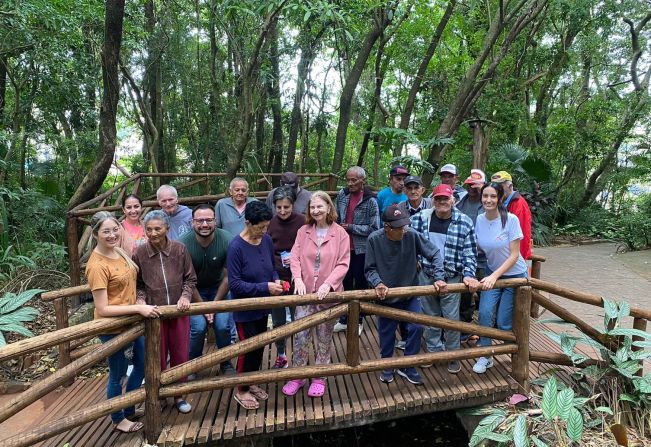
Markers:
(393, 263)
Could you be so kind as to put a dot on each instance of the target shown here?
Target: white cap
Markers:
(452, 169)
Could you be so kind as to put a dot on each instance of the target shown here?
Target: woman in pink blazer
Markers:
(319, 262)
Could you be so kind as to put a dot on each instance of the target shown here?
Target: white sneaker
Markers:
(340, 327)
(360, 328)
(482, 365)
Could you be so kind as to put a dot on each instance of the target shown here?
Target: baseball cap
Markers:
(501, 176)
(442, 190)
(476, 176)
(413, 179)
(395, 217)
(452, 169)
(289, 179)
(398, 170)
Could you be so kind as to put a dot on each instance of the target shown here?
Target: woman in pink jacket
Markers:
(319, 262)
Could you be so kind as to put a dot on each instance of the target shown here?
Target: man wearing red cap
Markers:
(453, 233)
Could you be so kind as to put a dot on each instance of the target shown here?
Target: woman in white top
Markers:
(498, 235)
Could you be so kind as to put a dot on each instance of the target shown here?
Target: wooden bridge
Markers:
(354, 395)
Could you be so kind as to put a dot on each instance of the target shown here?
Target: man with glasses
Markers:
(391, 258)
(453, 234)
(208, 246)
(290, 179)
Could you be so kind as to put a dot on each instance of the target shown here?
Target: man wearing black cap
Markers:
(302, 195)
(415, 202)
(391, 257)
(394, 193)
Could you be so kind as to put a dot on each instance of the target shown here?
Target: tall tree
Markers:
(91, 183)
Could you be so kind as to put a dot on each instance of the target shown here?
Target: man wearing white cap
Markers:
(449, 175)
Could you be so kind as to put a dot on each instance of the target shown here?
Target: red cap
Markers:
(442, 190)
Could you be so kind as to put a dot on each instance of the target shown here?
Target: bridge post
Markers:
(536, 267)
(521, 327)
(639, 324)
(352, 334)
(153, 421)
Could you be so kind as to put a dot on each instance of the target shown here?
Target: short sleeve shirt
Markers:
(114, 275)
(494, 240)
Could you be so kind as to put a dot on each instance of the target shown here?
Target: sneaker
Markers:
(411, 374)
(482, 365)
(340, 327)
(360, 328)
(401, 345)
(281, 362)
(454, 367)
(386, 376)
(226, 369)
(183, 407)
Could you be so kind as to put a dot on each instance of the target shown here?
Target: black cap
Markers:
(289, 179)
(395, 217)
(413, 179)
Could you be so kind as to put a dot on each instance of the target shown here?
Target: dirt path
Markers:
(598, 269)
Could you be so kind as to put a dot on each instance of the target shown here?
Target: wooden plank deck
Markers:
(349, 401)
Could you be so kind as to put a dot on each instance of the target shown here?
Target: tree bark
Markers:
(153, 94)
(405, 117)
(308, 53)
(3, 87)
(92, 182)
(273, 93)
(380, 23)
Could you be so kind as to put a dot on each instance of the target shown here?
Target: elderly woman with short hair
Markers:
(167, 277)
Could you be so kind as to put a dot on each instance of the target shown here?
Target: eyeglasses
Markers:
(203, 221)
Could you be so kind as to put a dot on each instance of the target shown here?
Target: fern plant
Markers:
(14, 315)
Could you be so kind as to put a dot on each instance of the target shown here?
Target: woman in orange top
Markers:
(112, 279)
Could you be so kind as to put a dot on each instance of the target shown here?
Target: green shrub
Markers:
(14, 315)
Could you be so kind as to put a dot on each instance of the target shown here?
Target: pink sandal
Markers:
(293, 386)
(317, 388)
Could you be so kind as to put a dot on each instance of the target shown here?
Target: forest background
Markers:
(554, 91)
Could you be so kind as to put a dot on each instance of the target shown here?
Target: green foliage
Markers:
(13, 315)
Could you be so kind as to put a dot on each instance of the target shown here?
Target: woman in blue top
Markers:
(498, 235)
(252, 273)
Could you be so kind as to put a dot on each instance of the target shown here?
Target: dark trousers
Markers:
(355, 279)
(387, 328)
(253, 360)
(466, 307)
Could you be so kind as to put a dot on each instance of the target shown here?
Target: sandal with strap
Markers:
(317, 388)
(258, 392)
(246, 403)
(293, 386)
(134, 427)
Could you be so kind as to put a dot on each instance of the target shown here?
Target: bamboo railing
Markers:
(161, 384)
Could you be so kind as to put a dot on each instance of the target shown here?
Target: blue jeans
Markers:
(446, 306)
(387, 328)
(222, 324)
(118, 364)
(496, 307)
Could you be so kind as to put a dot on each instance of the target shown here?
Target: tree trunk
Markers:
(405, 117)
(92, 182)
(3, 88)
(347, 93)
(308, 53)
(471, 87)
(273, 92)
(480, 142)
(152, 90)
(260, 115)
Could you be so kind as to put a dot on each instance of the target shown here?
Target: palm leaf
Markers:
(10, 302)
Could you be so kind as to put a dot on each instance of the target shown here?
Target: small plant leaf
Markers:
(549, 407)
(604, 410)
(538, 442)
(629, 398)
(575, 425)
(630, 333)
(10, 302)
(624, 310)
(610, 311)
(520, 438)
(564, 402)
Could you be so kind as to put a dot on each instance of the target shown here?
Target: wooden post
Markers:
(332, 182)
(535, 273)
(640, 324)
(61, 314)
(72, 241)
(153, 420)
(352, 334)
(521, 326)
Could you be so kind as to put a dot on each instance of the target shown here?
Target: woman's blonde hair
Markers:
(331, 217)
(96, 222)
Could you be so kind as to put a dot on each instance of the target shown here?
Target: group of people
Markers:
(300, 243)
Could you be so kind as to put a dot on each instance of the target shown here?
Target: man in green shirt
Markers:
(208, 246)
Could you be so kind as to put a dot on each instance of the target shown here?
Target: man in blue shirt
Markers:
(394, 193)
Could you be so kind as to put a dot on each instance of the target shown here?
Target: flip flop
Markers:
(472, 339)
(258, 392)
(247, 404)
(317, 388)
(134, 427)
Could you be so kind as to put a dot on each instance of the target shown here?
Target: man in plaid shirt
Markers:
(453, 233)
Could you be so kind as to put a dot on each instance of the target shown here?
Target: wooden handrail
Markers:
(538, 258)
(566, 315)
(61, 376)
(557, 358)
(107, 193)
